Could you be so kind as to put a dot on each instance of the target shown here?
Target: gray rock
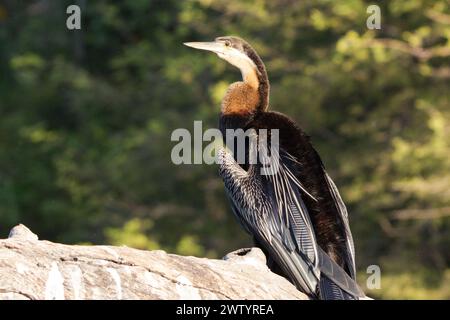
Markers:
(32, 269)
(22, 232)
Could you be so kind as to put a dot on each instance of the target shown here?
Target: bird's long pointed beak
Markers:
(216, 47)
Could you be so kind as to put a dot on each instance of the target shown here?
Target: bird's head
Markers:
(237, 52)
(240, 54)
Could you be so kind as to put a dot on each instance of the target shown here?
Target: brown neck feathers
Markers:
(252, 95)
(241, 98)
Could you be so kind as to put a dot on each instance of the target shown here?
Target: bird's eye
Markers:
(227, 43)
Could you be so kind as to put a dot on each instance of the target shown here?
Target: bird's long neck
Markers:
(242, 102)
(250, 96)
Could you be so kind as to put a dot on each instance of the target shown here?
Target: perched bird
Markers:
(294, 211)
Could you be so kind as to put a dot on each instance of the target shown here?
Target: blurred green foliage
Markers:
(86, 118)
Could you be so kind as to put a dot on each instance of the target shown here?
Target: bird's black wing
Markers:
(249, 198)
(335, 282)
(270, 207)
(342, 210)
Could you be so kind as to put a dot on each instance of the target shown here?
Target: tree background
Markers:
(86, 117)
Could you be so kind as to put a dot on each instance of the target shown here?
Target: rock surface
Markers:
(36, 269)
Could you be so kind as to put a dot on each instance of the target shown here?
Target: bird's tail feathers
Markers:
(330, 291)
